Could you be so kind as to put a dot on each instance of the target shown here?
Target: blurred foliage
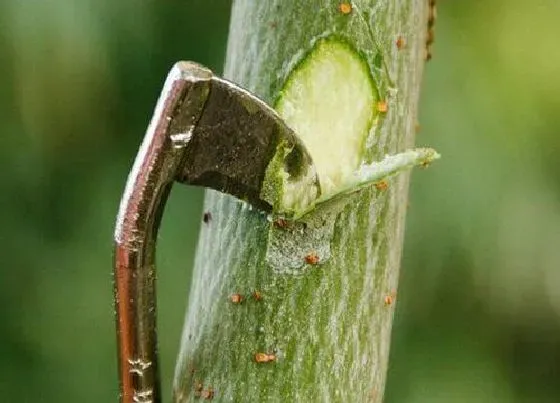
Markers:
(479, 302)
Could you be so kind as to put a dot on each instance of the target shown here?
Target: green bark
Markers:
(324, 327)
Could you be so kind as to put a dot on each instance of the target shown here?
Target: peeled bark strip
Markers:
(302, 312)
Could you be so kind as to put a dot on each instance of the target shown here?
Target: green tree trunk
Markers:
(259, 330)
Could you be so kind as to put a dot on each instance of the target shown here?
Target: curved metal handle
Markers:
(156, 166)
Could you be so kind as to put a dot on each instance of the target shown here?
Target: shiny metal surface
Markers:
(148, 186)
(205, 131)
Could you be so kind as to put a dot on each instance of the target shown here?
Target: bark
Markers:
(254, 330)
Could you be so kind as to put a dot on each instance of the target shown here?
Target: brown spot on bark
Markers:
(381, 185)
(236, 298)
(382, 106)
(345, 8)
(312, 258)
(432, 15)
(390, 298)
(262, 358)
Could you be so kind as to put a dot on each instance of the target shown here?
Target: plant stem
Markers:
(317, 328)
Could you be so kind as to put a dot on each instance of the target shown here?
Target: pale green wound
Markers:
(329, 100)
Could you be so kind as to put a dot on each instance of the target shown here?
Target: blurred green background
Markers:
(479, 301)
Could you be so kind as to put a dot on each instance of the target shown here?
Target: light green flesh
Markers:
(288, 195)
(329, 102)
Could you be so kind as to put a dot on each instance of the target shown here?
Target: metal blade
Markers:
(233, 143)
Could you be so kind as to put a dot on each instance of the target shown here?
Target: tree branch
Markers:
(283, 311)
